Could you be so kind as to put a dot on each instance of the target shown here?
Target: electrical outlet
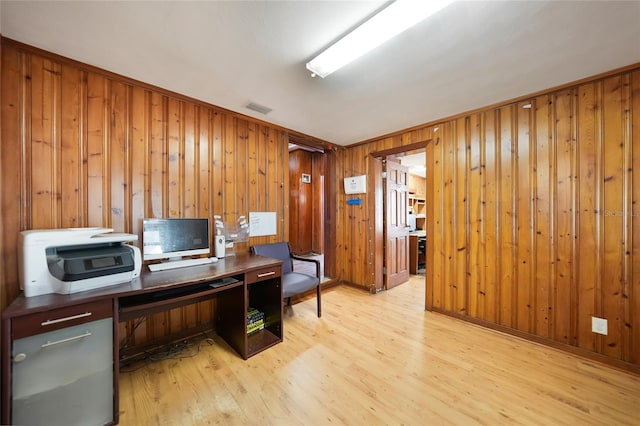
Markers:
(599, 325)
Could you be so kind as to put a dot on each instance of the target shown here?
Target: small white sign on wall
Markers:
(355, 184)
(262, 223)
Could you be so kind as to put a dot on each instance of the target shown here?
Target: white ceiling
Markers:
(472, 54)
(416, 163)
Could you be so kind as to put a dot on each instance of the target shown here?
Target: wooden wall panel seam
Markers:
(634, 290)
(599, 208)
(467, 204)
(83, 188)
(553, 218)
(25, 141)
(105, 204)
(128, 170)
(627, 169)
(575, 216)
(515, 248)
(558, 174)
(533, 161)
(26, 49)
(498, 105)
(56, 144)
(98, 151)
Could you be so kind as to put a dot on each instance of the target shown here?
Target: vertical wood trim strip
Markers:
(553, 217)
(84, 151)
(127, 219)
(575, 220)
(27, 135)
(627, 169)
(613, 222)
(106, 157)
(497, 308)
(599, 206)
(561, 309)
(431, 200)
(474, 213)
(533, 203)
(462, 223)
(633, 323)
(515, 214)
(56, 145)
(438, 221)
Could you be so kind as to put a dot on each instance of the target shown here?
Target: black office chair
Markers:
(293, 283)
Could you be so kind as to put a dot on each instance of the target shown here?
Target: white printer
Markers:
(70, 260)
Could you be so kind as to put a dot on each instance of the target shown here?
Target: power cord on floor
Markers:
(185, 349)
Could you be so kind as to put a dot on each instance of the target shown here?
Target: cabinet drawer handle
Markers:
(55, 321)
(70, 339)
(266, 274)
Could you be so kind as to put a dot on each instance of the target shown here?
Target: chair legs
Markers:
(317, 300)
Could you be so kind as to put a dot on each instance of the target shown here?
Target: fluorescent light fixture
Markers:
(391, 21)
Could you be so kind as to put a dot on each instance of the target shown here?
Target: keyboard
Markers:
(173, 264)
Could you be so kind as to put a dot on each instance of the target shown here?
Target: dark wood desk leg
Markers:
(116, 363)
(413, 254)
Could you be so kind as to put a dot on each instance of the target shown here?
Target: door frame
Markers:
(375, 199)
(396, 228)
(329, 170)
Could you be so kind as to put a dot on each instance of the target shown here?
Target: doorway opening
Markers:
(307, 206)
(414, 159)
(416, 162)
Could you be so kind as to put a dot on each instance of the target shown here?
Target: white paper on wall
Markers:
(262, 223)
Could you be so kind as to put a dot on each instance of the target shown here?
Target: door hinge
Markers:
(384, 270)
(384, 175)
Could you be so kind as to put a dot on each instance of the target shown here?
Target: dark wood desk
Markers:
(250, 281)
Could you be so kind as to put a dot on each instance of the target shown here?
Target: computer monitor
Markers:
(174, 238)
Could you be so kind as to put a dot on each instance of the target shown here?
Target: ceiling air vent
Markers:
(258, 108)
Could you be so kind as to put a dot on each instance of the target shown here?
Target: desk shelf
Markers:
(256, 282)
(264, 293)
(165, 299)
(261, 340)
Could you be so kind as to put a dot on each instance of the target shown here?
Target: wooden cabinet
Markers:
(63, 366)
(417, 200)
(264, 293)
(417, 252)
(418, 206)
(60, 353)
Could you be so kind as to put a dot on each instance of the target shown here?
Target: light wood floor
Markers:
(380, 359)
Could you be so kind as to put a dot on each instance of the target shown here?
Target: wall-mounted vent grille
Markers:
(258, 108)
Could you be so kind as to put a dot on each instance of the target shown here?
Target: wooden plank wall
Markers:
(534, 216)
(86, 148)
(301, 202)
(355, 227)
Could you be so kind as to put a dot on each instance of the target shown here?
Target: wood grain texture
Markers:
(419, 368)
(81, 148)
(301, 203)
(534, 216)
(557, 187)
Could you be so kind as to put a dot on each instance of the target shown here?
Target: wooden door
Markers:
(396, 227)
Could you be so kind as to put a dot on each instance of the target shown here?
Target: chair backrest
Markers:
(276, 251)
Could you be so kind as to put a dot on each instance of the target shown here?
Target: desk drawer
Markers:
(55, 319)
(264, 274)
(64, 377)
